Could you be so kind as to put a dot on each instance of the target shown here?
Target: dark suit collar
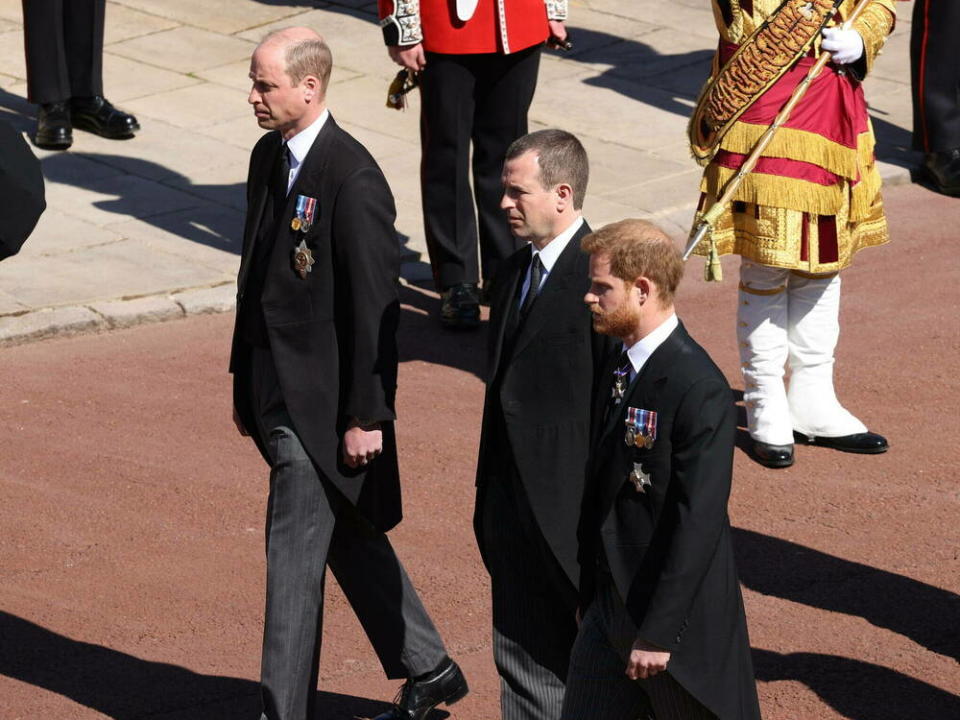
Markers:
(565, 271)
(656, 368)
(313, 164)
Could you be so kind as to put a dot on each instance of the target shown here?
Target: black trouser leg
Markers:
(936, 75)
(503, 96)
(64, 49)
(446, 117)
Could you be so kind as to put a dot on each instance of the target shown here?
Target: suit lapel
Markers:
(563, 274)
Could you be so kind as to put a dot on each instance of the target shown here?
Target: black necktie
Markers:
(536, 275)
(281, 181)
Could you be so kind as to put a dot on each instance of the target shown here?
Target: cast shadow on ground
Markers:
(124, 687)
(925, 614)
(856, 689)
(421, 337)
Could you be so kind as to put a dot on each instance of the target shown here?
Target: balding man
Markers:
(315, 365)
(663, 629)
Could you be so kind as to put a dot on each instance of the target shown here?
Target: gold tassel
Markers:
(713, 270)
(801, 145)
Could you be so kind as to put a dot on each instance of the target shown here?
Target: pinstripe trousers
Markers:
(534, 605)
(597, 685)
(310, 526)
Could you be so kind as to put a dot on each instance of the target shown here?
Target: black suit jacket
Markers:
(541, 391)
(21, 190)
(332, 334)
(669, 548)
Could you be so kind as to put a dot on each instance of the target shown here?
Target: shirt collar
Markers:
(300, 144)
(641, 351)
(553, 249)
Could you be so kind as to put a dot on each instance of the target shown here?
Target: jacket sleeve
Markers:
(874, 25)
(400, 21)
(367, 266)
(695, 514)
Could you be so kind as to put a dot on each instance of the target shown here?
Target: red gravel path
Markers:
(131, 515)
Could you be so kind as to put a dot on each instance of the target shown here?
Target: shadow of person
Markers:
(855, 689)
(422, 338)
(124, 687)
(928, 615)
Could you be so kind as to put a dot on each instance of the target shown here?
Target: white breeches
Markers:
(784, 318)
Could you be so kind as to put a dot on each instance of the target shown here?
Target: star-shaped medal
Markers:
(303, 259)
(640, 479)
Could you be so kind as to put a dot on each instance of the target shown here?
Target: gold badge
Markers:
(303, 259)
(295, 224)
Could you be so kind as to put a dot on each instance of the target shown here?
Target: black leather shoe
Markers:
(942, 169)
(417, 698)
(773, 456)
(96, 114)
(460, 307)
(867, 443)
(53, 127)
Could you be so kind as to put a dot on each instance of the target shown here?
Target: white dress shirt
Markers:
(299, 145)
(641, 350)
(549, 255)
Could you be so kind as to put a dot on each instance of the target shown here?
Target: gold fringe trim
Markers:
(776, 191)
(803, 145)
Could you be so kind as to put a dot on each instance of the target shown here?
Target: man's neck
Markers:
(563, 223)
(647, 324)
(303, 122)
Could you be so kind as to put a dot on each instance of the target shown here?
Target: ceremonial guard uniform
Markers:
(812, 201)
(936, 91)
(477, 83)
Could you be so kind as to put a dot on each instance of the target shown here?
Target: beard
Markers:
(617, 323)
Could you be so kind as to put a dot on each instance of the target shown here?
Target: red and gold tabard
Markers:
(495, 26)
(813, 199)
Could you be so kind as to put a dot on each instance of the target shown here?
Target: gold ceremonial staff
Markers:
(705, 225)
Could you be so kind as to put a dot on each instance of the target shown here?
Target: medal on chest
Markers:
(641, 428)
(640, 479)
(302, 221)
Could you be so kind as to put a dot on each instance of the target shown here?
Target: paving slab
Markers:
(49, 322)
(126, 313)
(12, 59)
(219, 16)
(58, 233)
(123, 23)
(184, 49)
(127, 79)
(222, 298)
(194, 106)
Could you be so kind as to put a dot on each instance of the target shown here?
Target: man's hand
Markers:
(239, 423)
(411, 57)
(361, 443)
(844, 46)
(646, 660)
(558, 34)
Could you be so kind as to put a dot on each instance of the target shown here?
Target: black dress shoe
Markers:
(418, 697)
(53, 127)
(867, 443)
(942, 169)
(773, 456)
(460, 307)
(96, 114)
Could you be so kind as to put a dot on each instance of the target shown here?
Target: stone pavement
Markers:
(150, 228)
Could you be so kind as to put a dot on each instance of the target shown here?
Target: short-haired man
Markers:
(542, 362)
(315, 367)
(663, 626)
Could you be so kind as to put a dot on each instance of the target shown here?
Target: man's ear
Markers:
(311, 85)
(564, 196)
(643, 287)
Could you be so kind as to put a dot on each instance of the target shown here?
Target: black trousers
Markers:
(64, 43)
(481, 99)
(310, 527)
(936, 75)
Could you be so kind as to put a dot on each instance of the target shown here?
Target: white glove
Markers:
(844, 46)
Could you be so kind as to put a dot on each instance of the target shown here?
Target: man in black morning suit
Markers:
(542, 358)
(315, 366)
(664, 633)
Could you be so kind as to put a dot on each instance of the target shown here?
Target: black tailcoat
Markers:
(332, 334)
(539, 387)
(669, 548)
